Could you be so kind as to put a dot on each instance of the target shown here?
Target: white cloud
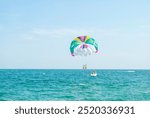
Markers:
(41, 34)
(68, 31)
(60, 32)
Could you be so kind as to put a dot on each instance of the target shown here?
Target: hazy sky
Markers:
(38, 33)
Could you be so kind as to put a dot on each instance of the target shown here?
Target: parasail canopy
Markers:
(83, 46)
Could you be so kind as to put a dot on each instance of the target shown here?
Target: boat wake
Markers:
(130, 71)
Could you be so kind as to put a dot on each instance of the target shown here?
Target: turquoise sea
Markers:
(76, 85)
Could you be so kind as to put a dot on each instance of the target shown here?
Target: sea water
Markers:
(76, 85)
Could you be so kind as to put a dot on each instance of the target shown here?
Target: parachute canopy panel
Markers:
(83, 46)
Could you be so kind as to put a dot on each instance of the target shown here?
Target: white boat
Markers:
(93, 74)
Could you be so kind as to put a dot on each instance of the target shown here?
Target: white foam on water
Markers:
(82, 84)
(130, 71)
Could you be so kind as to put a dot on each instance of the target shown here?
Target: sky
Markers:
(36, 34)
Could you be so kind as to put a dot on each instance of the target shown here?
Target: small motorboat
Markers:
(94, 74)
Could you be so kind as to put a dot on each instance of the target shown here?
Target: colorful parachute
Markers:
(83, 46)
